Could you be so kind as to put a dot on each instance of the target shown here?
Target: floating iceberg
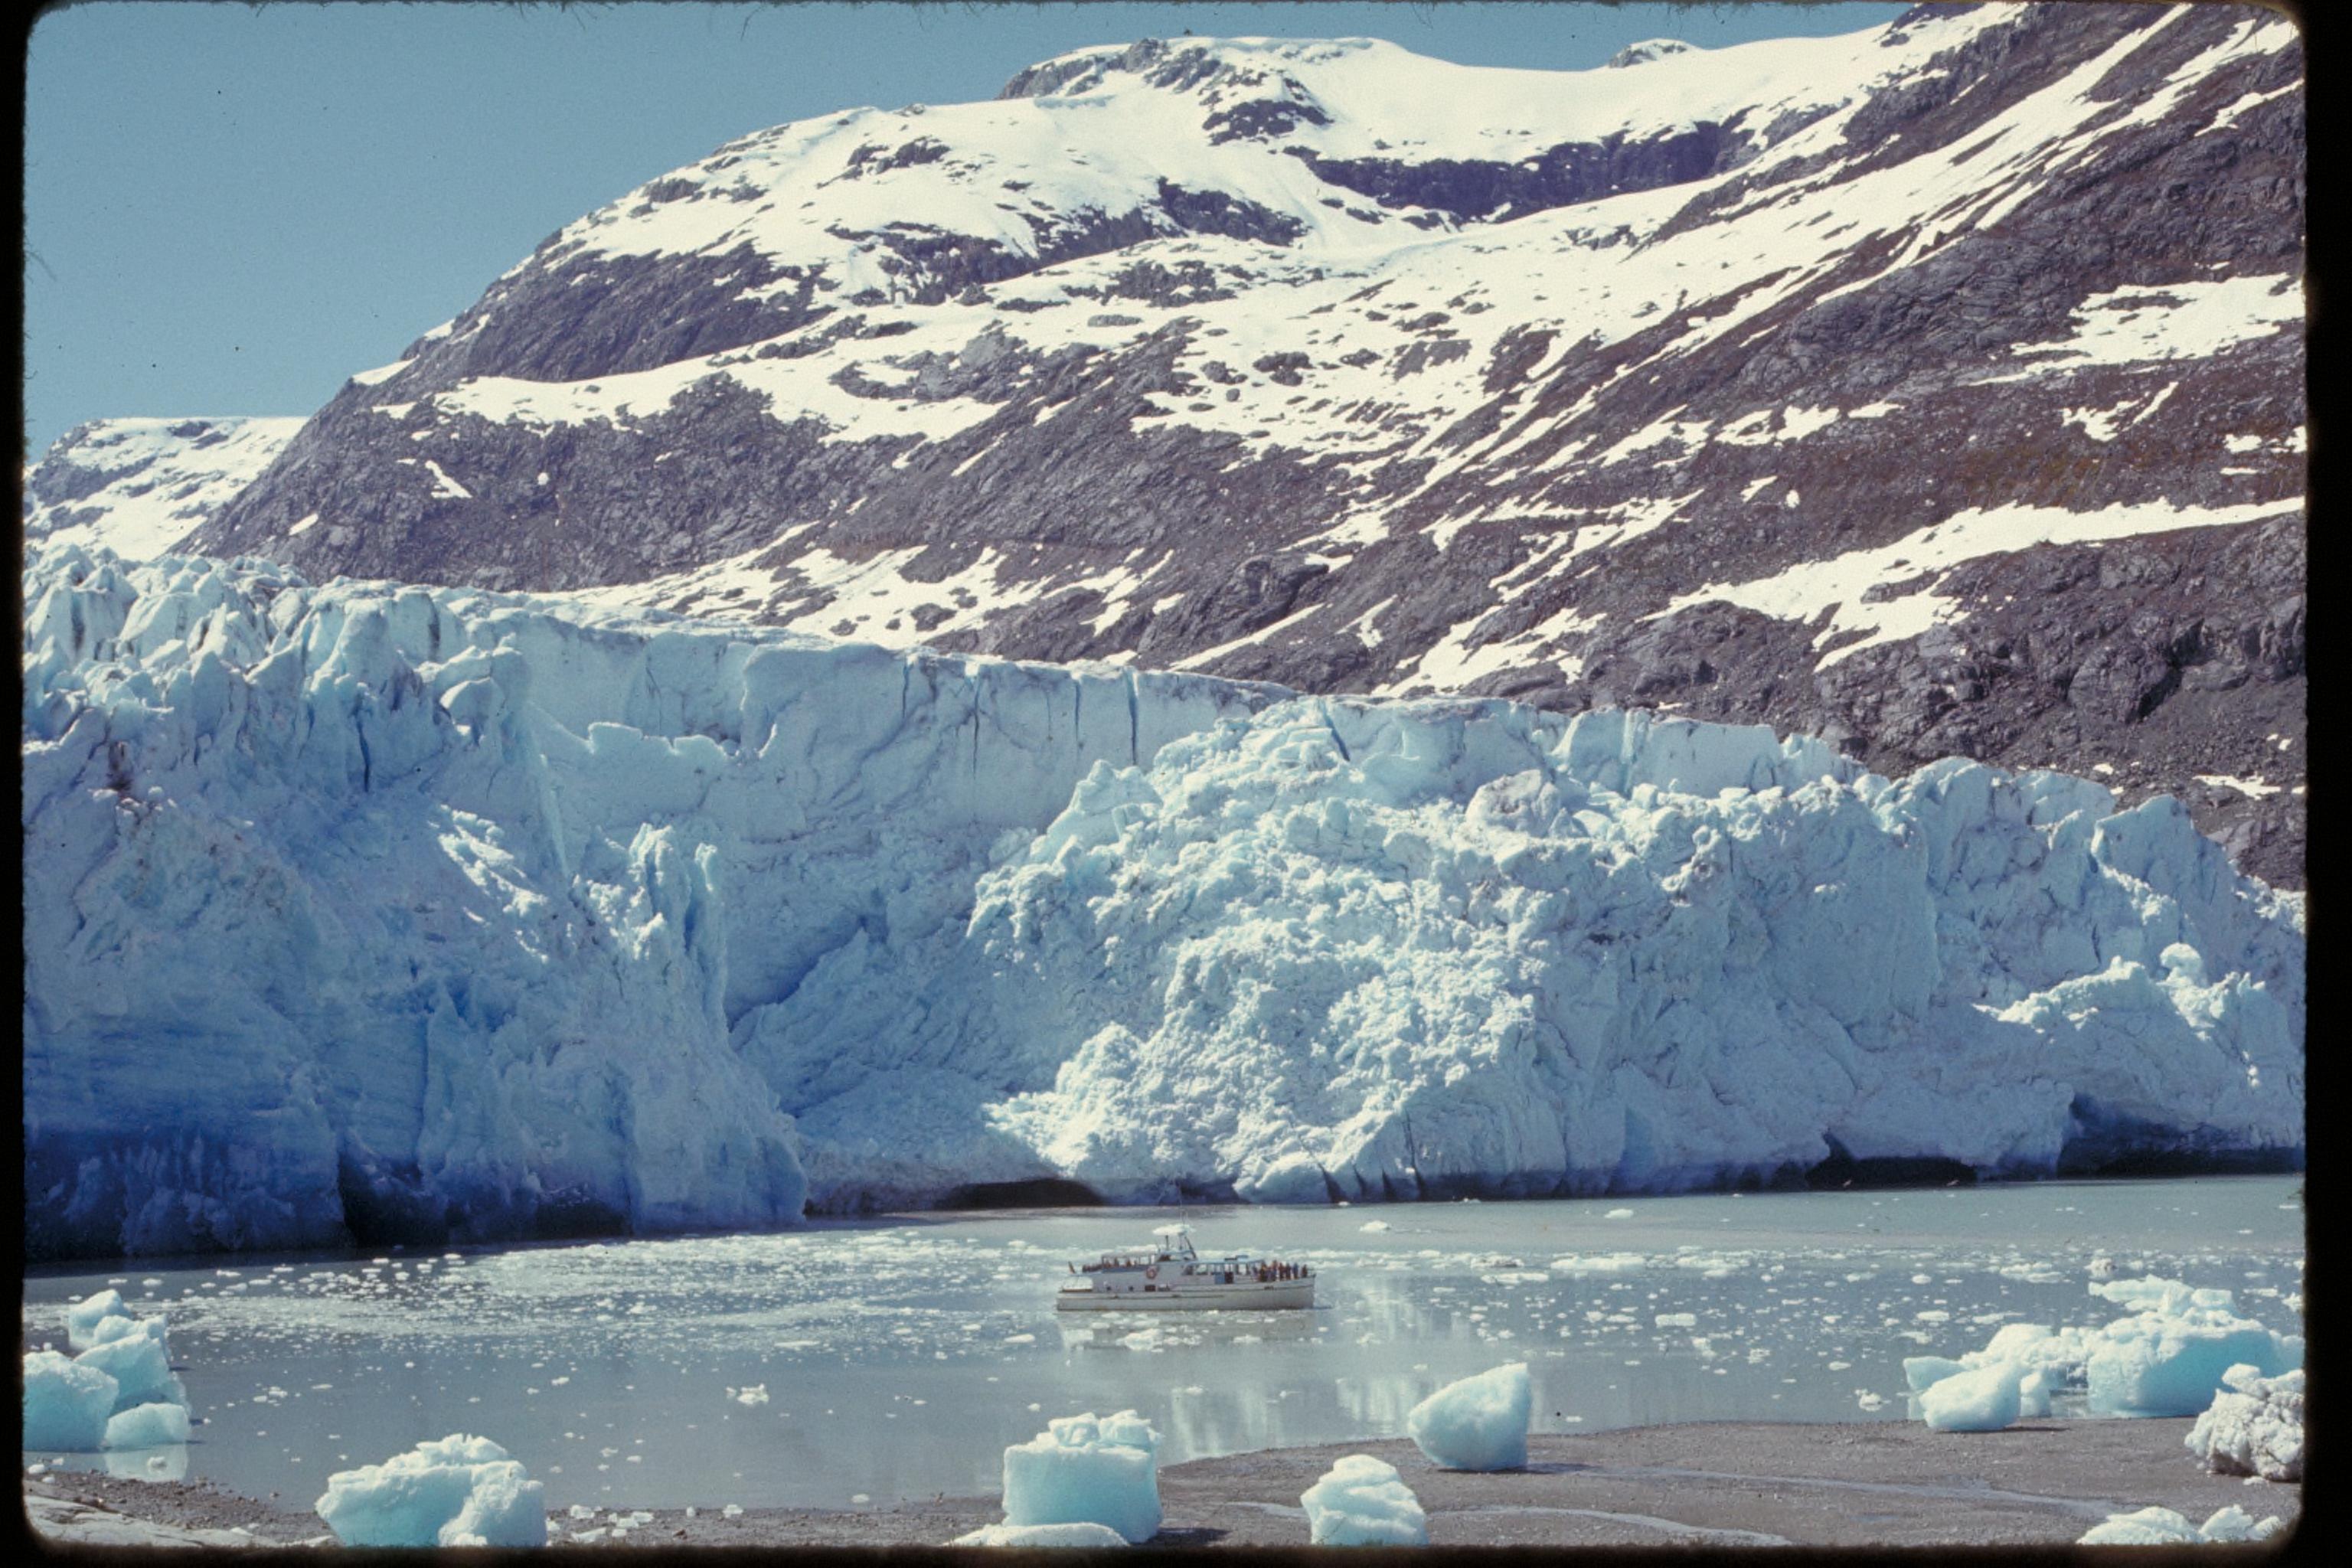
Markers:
(140, 1361)
(416, 873)
(1084, 1471)
(151, 1426)
(1477, 1424)
(2163, 1527)
(1042, 1535)
(99, 1316)
(1985, 1400)
(2170, 1356)
(456, 1491)
(1360, 1501)
(66, 1404)
(2254, 1428)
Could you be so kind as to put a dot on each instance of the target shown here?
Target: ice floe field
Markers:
(849, 1365)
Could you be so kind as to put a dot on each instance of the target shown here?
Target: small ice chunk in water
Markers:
(1985, 1400)
(732, 1511)
(755, 1394)
(456, 1491)
(151, 1426)
(2163, 1527)
(1082, 1470)
(1373, 1225)
(1360, 1501)
(1477, 1424)
(2252, 1428)
(66, 1403)
(1081, 1533)
(1619, 1214)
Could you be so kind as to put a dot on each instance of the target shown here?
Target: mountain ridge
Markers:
(1761, 401)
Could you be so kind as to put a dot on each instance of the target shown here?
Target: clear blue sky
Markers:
(230, 208)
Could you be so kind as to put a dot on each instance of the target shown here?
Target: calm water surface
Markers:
(896, 1359)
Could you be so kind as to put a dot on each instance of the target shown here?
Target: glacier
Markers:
(372, 911)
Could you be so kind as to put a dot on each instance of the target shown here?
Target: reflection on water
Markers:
(898, 1358)
(166, 1464)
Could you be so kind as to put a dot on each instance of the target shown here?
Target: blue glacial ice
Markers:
(1361, 1502)
(418, 875)
(1477, 1424)
(453, 1491)
(120, 1391)
(2172, 1356)
(140, 1361)
(155, 1425)
(66, 1404)
(1084, 1471)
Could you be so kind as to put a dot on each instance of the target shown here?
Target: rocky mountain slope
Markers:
(1937, 389)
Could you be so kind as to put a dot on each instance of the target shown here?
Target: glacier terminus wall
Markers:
(380, 913)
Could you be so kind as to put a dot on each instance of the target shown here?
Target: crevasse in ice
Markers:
(448, 913)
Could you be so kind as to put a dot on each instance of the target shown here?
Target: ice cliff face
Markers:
(1412, 950)
(411, 913)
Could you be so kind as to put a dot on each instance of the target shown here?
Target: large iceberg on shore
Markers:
(1477, 1424)
(454, 1492)
(417, 874)
(2253, 1427)
(1362, 1501)
(1984, 1400)
(1084, 1471)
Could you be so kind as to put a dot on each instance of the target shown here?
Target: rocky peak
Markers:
(1643, 53)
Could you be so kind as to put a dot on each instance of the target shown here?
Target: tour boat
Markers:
(1170, 1277)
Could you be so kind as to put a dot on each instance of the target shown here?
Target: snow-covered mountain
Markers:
(1935, 389)
(137, 486)
(407, 915)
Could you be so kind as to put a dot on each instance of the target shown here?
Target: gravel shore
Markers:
(1714, 1484)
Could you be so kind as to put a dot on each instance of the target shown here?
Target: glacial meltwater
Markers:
(857, 1364)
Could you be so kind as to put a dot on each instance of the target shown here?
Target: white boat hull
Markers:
(1252, 1297)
